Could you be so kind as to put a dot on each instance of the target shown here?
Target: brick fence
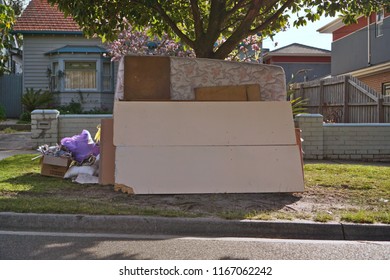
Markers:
(369, 142)
(49, 127)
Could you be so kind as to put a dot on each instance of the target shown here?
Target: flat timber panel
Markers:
(107, 153)
(147, 78)
(205, 169)
(203, 123)
(228, 93)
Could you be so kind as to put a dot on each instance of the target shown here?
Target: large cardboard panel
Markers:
(228, 93)
(107, 153)
(146, 78)
(205, 169)
(203, 123)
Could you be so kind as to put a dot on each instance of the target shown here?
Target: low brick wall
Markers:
(369, 142)
(69, 125)
(49, 127)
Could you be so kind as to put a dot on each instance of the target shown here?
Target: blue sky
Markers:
(306, 35)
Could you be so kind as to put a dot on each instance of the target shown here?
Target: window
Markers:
(107, 76)
(80, 75)
(379, 22)
(386, 88)
(54, 86)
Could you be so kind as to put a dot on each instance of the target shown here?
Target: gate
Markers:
(11, 94)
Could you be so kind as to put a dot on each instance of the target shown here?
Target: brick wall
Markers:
(369, 142)
(69, 125)
(49, 127)
(376, 81)
(312, 133)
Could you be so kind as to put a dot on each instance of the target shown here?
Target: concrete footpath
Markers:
(194, 227)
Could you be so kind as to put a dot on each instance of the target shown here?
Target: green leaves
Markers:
(198, 27)
(7, 19)
(32, 99)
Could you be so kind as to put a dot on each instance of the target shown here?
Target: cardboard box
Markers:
(54, 166)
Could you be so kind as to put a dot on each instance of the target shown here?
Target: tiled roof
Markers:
(299, 49)
(40, 16)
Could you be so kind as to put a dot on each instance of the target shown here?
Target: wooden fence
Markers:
(344, 99)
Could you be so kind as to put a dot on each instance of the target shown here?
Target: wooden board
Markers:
(203, 123)
(205, 169)
(146, 78)
(228, 93)
(107, 153)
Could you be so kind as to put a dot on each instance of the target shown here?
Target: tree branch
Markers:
(240, 4)
(216, 17)
(197, 19)
(271, 19)
(160, 10)
(241, 31)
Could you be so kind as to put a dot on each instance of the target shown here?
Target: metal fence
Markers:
(344, 99)
(11, 94)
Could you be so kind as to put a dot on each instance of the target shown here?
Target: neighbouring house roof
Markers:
(77, 49)
(298, 50)
(40, 17)
(331, 26)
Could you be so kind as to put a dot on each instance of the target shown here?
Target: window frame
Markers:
(59, 77)
(92, 89)
(386, 89)
(380, 15)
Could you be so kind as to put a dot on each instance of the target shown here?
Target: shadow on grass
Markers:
(36, 193)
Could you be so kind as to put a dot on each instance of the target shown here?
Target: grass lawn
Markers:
(358, 193)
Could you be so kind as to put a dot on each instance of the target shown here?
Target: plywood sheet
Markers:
(228, 93)
(203, 123)
(107, 153)
(146, 78)
(205, 169)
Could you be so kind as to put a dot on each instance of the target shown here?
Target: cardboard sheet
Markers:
(203, 123)
(205, 169)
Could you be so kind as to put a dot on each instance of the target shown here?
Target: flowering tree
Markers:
(132, 41)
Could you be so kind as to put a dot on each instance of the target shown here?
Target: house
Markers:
(362, 50)
(301, 63)
(57, 57)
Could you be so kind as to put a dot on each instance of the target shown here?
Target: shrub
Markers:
(72, 108)
(32, 99)
(25, 117)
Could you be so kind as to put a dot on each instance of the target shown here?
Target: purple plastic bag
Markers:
(81, 146)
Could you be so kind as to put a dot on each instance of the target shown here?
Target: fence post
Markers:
(381, 113)
(320, 106)
(346, 99)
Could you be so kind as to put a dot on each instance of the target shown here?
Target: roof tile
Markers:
(39, 15)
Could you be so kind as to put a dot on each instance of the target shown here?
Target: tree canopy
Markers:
(8, 12)
(212, 28)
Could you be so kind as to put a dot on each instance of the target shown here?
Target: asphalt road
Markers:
(57, 246)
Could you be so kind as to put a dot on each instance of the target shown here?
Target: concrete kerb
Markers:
(195, 227)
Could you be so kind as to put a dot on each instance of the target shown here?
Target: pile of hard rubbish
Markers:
(76, 157)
